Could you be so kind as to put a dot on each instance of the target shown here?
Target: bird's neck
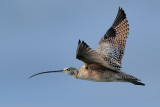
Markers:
(76, 72)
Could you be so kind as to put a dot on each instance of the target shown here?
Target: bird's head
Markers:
(69, 70)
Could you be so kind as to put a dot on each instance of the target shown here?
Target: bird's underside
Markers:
(105, 75)
(104, 64)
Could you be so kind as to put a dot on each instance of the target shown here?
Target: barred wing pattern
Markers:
(112, 44)
(89, 56)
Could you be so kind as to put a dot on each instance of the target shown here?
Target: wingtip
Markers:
(121, 15)
(79, 42)
(119, 8)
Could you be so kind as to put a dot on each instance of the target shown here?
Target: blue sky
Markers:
(42, 35)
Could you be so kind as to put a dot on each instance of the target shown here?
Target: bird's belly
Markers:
(96, 76)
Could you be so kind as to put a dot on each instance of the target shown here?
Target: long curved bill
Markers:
(46, 72)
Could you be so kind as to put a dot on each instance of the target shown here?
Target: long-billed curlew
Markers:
(104, 64)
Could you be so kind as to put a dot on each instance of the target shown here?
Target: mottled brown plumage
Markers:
(104, 64)
(112, 44)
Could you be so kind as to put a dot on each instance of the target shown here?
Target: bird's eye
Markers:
(67, 69)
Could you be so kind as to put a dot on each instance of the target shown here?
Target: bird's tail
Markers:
(129, 78)
(137, 83)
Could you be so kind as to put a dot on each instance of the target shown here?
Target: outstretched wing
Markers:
(89, 56)
(112, 44)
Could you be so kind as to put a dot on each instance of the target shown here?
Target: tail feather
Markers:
(129, 78)
(137, 83)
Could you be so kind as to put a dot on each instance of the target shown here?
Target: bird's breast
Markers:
(95, 75)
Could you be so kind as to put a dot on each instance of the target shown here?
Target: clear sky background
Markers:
(42, 35)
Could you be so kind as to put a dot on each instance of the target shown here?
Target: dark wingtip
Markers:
(120, 17)
(79, 42)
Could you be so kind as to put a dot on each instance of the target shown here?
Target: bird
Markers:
(104, 63)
